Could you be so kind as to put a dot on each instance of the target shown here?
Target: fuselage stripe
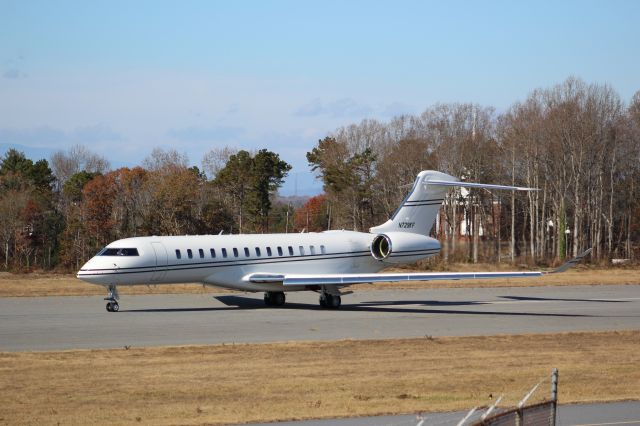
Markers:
(220, 264)
(234, 261)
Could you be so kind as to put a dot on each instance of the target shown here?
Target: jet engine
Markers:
(403, 247)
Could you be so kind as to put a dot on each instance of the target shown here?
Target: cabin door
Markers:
(161, 262)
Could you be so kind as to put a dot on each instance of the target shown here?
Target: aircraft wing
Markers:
(350, 279)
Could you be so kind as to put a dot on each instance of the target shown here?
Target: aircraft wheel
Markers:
(278, 298)
(336, 301)
(323, 302)
(330, 301)
(274, 298)
(115, 307)
(267, 299)
(109, 307)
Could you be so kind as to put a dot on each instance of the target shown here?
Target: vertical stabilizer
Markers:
(419, 210)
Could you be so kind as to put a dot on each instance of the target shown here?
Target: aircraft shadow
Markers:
(423, 303)
(247, 303)
(553, 299)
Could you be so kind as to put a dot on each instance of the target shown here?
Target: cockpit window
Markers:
(119, 252)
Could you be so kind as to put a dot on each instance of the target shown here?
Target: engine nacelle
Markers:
(403, 247)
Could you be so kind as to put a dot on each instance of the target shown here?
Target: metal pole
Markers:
(554, 396)
(469, 414)
(286, 226)
(527, 396)
(490, 410)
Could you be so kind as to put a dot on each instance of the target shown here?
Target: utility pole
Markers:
(474, 200)
(286, 227)
(554, 396)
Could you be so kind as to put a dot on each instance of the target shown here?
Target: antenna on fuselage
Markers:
(221, 231)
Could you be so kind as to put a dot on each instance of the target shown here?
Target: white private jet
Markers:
(324, 262)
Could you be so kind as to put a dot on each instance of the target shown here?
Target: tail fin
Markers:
(419, 209)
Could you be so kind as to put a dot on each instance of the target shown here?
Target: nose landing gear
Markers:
(112, 297)
(113, 306)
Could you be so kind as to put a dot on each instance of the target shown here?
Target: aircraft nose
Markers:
(92, 273)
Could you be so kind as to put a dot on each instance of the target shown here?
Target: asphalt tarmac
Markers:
(51, 323)
(599, 414)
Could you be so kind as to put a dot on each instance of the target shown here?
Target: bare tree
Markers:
(215, 159)
(77, 158)
(168, 160)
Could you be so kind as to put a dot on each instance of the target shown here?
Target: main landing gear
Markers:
(112, 297)
(330, 301)
(274, 298)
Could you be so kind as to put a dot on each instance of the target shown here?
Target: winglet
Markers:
(571, 262)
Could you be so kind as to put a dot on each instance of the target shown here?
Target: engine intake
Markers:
(403, 247)
(381, 247)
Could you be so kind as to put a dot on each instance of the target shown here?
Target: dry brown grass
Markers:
(575, 276)
(31, 285)
(34, 284)
(264, 382)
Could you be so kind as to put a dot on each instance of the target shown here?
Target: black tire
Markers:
(328, 301)
(115, 307)
(268, 300)
(109, 307)
(278, 298)
(336, 302)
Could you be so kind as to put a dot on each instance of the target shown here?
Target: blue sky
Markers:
(124, 77)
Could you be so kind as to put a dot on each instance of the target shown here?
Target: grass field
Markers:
(68, 285)
(224, 384)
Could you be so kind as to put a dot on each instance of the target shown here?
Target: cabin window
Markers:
(213, 253)
(269, 251)
(279, 251)
(312, 250)
(258, 252)
(178, 254)
(301, 250)
(235, 252)
(224, 253)
(119, 252)
(290, 251)
(189, 254)
(246, 252)
(322, 250)
(201, 252)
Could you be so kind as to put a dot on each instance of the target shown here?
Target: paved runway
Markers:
(82, 322)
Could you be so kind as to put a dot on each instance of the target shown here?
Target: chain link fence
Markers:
(540, 414)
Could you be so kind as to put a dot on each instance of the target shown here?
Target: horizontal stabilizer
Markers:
(478, 185)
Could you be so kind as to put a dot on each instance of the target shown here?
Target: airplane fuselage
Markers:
(224, 260)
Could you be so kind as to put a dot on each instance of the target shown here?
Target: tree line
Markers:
(59, 214)
(578, 143)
